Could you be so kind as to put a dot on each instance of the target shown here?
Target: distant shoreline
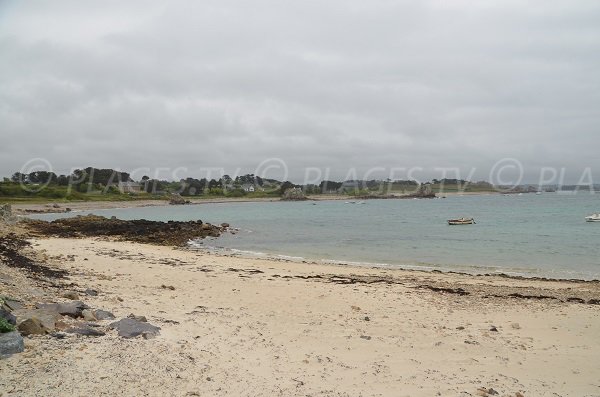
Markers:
(53, 207)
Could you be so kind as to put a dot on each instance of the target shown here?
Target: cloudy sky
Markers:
(335, 85)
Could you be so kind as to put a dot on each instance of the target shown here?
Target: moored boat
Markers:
(461, 221)
(593, 218)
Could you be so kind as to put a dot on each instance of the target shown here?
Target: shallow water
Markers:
(532, 235)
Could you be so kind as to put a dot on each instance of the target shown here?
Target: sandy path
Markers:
(240, 332)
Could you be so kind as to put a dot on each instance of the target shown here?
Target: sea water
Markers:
(531, 235)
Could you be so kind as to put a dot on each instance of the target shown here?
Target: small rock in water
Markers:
(11, 343)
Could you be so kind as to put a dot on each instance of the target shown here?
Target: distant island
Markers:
(94, 184)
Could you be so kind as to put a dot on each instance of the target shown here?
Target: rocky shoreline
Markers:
(139, 231)
(21, 315)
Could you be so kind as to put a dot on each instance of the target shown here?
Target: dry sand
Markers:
(245, 327)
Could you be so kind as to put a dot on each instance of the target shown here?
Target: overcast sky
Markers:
(329, 84)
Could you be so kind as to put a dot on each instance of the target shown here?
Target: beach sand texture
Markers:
(247, 327)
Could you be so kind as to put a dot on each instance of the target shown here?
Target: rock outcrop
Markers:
(140, 231)
(176, 199)
(294, 194)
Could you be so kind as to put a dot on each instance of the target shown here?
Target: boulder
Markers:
(8, 316)
(46, 318)
(11, 343)
(88, 315)
(103, 315)
(130, 328)
(176, 199)
(32, 326)
(294, 194)
(72, 309)
(12, 304)
(85, 330)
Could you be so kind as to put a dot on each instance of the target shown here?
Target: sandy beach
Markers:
(248, 327)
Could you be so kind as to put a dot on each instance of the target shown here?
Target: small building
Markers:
(129, 187)
(248, 188)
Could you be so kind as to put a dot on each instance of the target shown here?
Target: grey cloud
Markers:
(335, 84)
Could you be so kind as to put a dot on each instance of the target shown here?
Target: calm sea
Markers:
(532, 235)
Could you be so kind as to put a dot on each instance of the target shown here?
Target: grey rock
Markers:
(88, 315)
(71, 309)
(130, 328)
(103, 315)
(46, 318)
(12, 305)
(8, 316)
(11, 343)
(91, 292)
(142, 319)
(85, 330)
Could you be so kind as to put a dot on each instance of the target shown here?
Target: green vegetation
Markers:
(5, 326)
(92, 184)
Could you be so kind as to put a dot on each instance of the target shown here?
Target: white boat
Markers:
(593, 218)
